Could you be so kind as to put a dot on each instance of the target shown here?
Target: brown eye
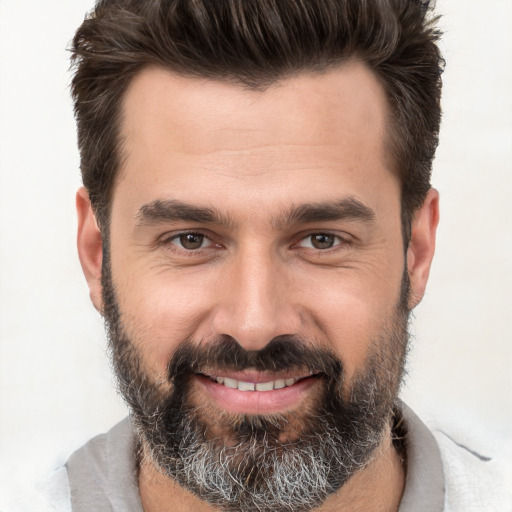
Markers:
(191, 241)
(321, 241)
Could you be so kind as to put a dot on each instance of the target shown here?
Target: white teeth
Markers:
(230, 383)
(246, 386)
(265, 386)
(279, 383)
(259, 386)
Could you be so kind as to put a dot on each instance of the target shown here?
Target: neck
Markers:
(379, 486)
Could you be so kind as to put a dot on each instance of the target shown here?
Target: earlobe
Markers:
(90, 248)
(422, 246)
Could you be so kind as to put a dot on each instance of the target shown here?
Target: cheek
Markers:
(160, 312)
(352, 313)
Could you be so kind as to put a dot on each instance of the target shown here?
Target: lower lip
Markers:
(257, 402)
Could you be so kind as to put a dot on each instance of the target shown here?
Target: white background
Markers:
(55, 385)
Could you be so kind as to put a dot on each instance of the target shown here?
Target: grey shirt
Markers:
(103, 473)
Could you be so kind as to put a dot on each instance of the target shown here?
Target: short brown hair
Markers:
(255, 43)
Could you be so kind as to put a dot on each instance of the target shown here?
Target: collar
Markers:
(424, 483)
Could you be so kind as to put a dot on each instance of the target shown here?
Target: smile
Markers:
(251, 392)
(256, 386)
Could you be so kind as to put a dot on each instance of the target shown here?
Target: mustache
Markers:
(225, 353)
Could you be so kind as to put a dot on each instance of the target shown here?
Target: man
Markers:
(256, 225)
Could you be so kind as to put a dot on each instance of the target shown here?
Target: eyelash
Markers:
(168, 240)
(338, 241)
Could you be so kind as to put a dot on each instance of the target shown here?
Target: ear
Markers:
(422, 246)
(90, 249)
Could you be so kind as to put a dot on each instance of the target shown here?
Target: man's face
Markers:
(271, 168)
(256, 251)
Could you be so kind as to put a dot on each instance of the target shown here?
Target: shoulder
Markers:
(477, 469)
(88, 464)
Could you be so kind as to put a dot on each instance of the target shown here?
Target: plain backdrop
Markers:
(56, 390)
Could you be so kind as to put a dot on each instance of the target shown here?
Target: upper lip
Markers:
(252, 375)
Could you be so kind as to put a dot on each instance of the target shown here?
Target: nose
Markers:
(256, 302)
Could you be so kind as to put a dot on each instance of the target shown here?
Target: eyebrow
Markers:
(173, 210)
(348, 208)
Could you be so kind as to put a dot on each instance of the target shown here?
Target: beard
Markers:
(291, 461)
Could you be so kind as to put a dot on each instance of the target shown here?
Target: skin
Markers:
(253, 156)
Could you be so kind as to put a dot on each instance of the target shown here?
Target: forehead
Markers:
(302, 135)
(316, 105)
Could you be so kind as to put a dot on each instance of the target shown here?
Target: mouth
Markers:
(257, 385)
(252, 392)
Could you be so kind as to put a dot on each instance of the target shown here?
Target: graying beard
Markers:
(294, 478)
(261, 473)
